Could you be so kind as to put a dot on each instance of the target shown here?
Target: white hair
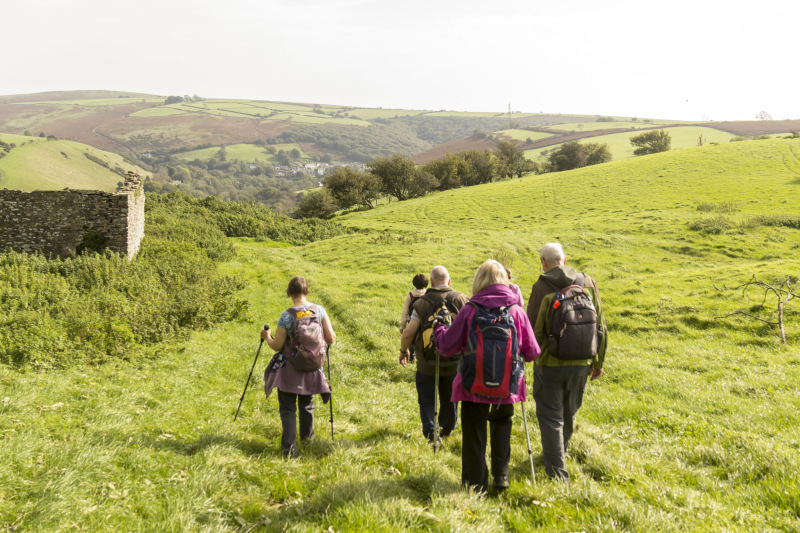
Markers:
(552, 253)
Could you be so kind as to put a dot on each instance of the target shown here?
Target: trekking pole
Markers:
(436, 406)
(528, 440)
(330, 400)
(266, 328)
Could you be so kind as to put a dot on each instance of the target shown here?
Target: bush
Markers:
(713, 225)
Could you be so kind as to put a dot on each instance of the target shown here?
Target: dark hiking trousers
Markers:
(558, 392)
(473, 446)
(287, 406)
(426, 396)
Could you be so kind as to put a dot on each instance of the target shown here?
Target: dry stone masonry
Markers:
(58, 223)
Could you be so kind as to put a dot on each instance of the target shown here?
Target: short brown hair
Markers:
(420, 281)
(297, 287)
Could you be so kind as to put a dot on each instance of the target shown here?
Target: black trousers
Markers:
(558, 392)
(474, 417)
(426, 396)
(287, 407)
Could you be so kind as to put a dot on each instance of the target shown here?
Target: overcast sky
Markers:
(679, 59)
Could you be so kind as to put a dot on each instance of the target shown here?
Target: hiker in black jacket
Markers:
(424, 309)
(558, 384)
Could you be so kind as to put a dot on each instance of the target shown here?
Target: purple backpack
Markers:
(305, 346)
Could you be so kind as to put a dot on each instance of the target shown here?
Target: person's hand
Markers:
(404, 357)
(596, 373)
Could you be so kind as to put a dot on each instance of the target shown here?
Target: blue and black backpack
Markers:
(491, 366)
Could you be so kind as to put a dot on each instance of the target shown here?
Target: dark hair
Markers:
(508, 272)
(297, 287)
(420, 281)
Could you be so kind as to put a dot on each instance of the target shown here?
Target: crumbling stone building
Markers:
(62, 223)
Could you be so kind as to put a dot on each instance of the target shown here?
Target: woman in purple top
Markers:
(490, 289)
(295, 388)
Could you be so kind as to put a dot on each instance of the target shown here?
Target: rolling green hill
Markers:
(31, 163)
(694, 427)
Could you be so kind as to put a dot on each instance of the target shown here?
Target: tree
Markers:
(763, 115)
(396, 174)
(573, 154)
(446, 171)
(483, 165)
(318, 203)
(651, 142)
(597, 153)
(173, 100)
(350, 187)
(284, 158)
(510, 159)
(568, 156)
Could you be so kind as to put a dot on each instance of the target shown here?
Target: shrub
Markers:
(712, 225)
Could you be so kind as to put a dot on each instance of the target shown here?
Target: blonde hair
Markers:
(490, 272)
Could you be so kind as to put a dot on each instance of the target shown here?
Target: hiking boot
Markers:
(501, 483)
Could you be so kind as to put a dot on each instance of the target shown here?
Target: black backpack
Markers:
(491, 366)
(438, 306)
(573, 323)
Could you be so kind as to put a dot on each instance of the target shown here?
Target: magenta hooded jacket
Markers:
(452, 341)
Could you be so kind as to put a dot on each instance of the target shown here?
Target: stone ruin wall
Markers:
(54, 223)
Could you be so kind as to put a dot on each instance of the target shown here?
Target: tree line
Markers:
(398, 177)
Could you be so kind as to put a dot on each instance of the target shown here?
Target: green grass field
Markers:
(694, 427)
(243, 152)
(621, 148)
(53, 165)
(523, 135)
(301, 113)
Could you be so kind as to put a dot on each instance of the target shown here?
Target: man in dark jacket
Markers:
(558, 384)
(424, 308)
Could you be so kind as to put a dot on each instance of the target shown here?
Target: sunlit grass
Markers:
(694, 427)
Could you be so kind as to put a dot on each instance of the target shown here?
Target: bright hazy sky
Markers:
(675, 59)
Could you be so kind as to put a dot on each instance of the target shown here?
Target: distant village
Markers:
(314, 169)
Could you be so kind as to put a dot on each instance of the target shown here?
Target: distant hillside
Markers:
(31, 163)
(139, 125)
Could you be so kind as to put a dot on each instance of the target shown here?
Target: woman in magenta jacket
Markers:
(489, 289)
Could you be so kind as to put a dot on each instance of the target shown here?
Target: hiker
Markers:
(515, 288)
(490, 290)
(420, 282)
(422, 315)
(296, 388)
(558, 382)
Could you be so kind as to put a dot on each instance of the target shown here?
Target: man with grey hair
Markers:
(423, 310)
(558, 384)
